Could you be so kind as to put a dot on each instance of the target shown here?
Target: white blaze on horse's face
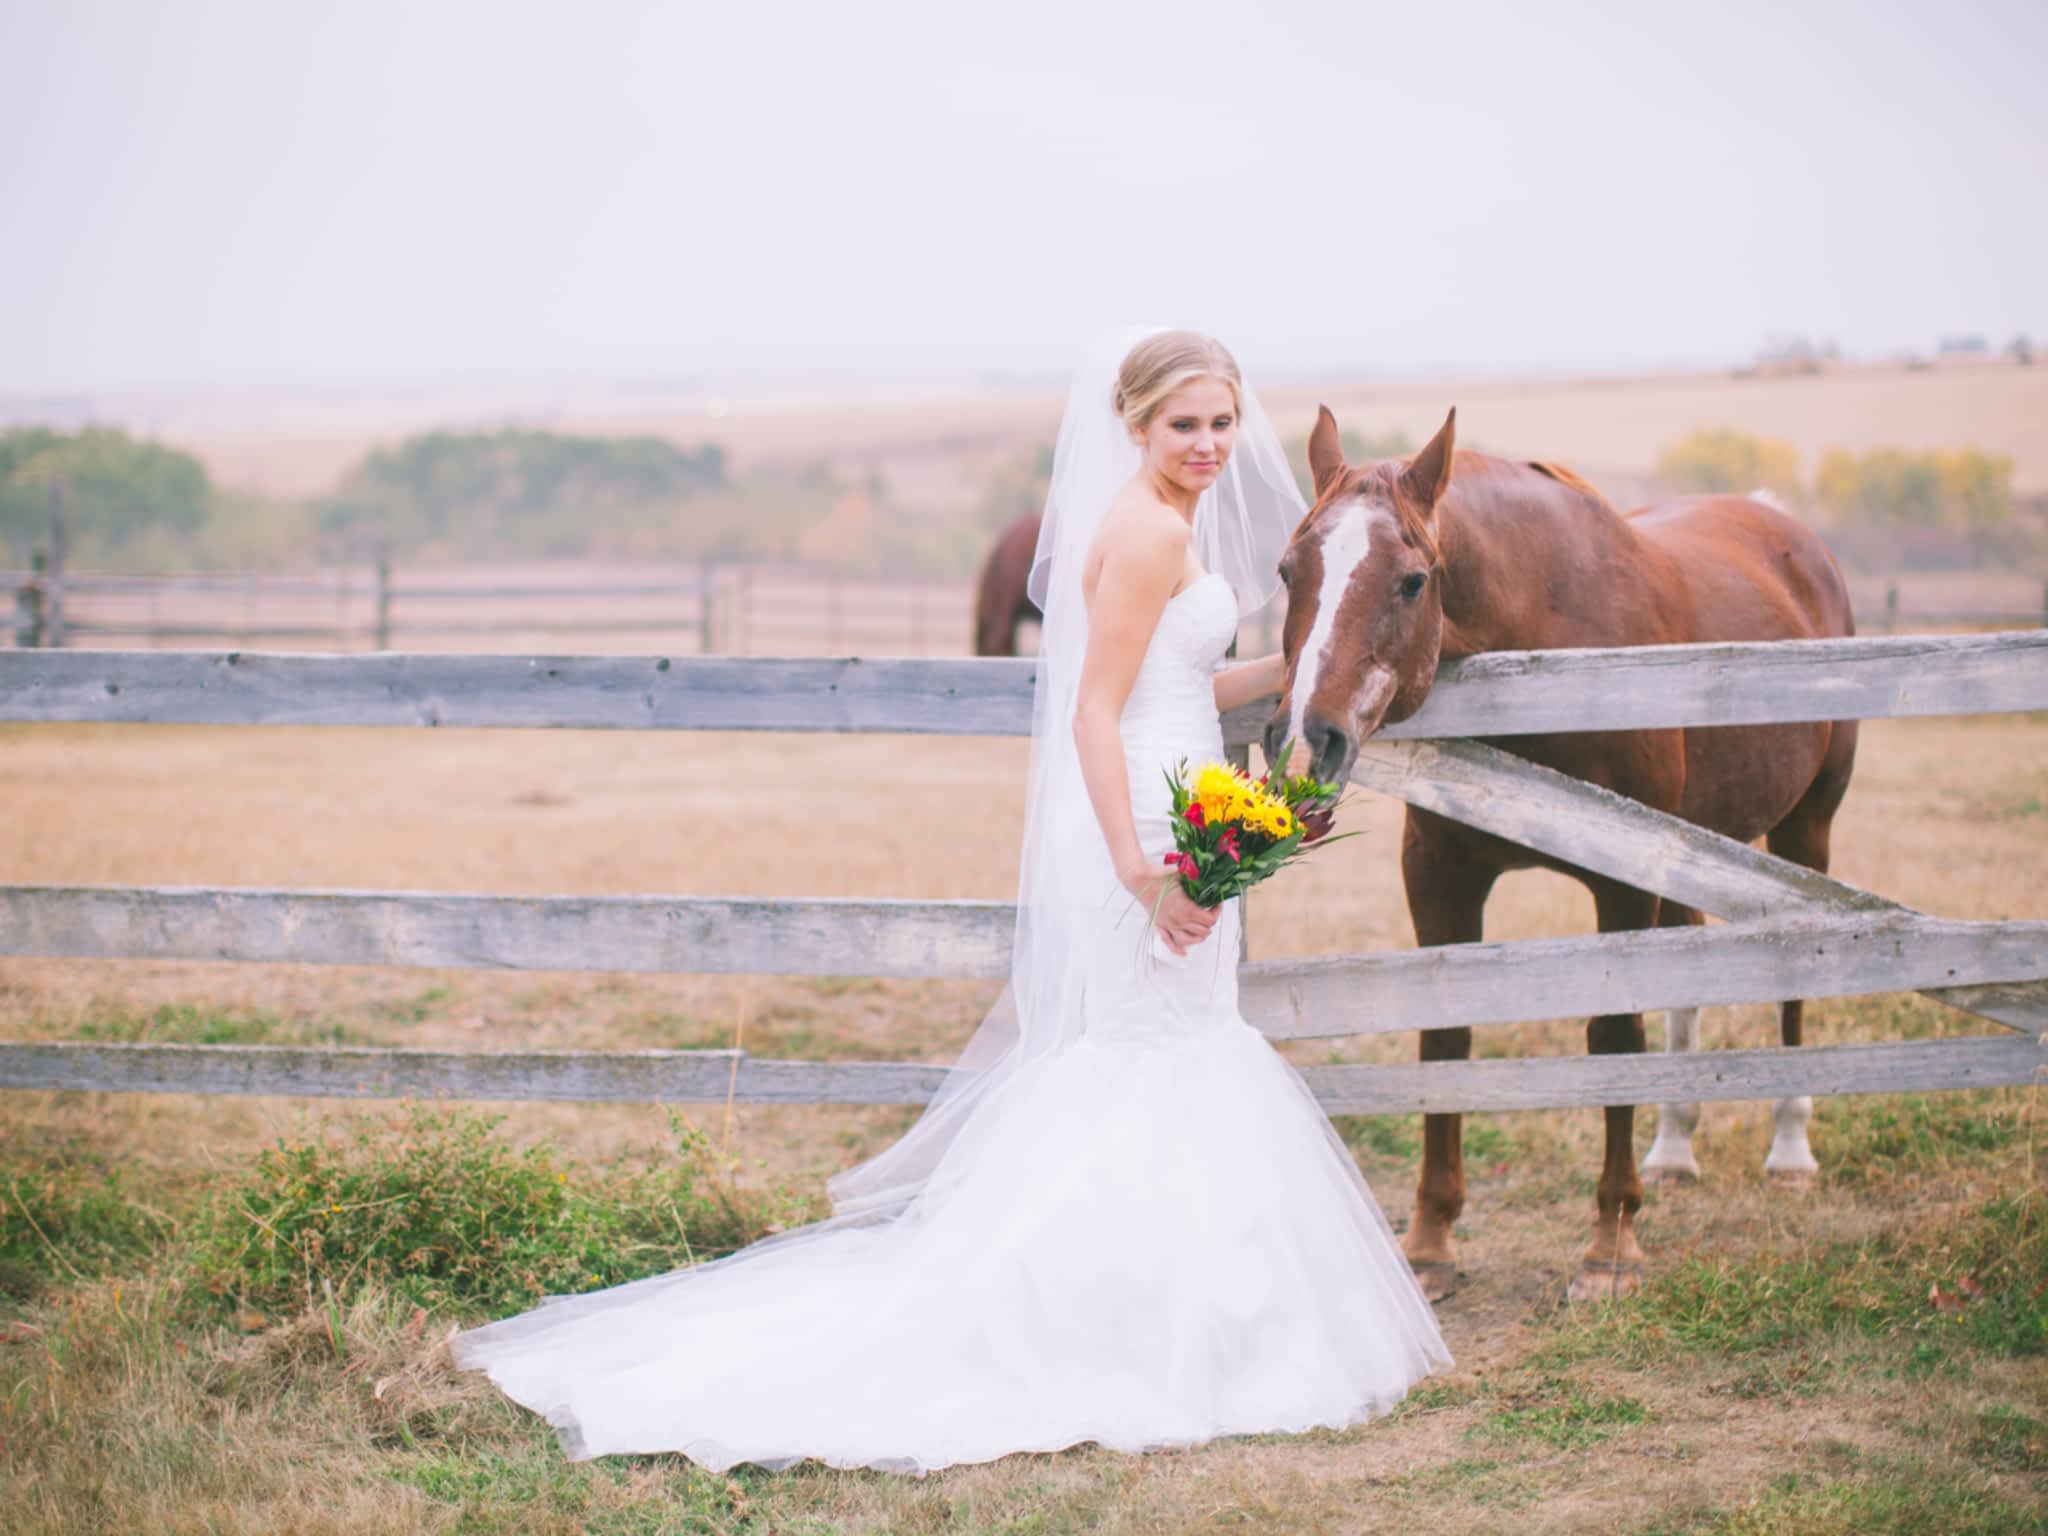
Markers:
(1345, 547)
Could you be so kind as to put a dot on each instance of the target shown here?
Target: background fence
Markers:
(1790, 932)
(698, 609)
(701, 609)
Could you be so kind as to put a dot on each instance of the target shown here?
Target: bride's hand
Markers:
(1181, 922)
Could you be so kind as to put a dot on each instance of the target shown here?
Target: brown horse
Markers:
(1401, 563)
(1000, 601)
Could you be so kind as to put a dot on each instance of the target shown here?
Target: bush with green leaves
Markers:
(1722, 461)
(442, 1208)
(62, 1222)
(115, 487)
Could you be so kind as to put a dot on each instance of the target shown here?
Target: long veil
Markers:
(1242, 524)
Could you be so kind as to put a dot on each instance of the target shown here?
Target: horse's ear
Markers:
(1428, 474)
(1325, 454)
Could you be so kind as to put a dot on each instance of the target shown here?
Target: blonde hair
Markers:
(1160, 364)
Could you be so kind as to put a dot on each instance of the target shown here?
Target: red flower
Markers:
(1188, 868)
(1171, 858)
(1229, 846)
(1194, 813)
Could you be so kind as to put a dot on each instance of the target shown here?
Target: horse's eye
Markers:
(1411, 584)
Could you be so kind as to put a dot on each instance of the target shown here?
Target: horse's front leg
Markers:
(1446, 902)
(1612, 1264)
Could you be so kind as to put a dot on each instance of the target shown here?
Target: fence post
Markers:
(383, 637)
(28, 605)
(1891, 608)
(2044, 605)
(53, 576)
(705, 631)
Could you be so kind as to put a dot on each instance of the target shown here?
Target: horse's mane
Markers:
(1572, 480)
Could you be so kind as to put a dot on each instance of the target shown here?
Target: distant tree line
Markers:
(519, 493)
(133, 504)
(1884, 506)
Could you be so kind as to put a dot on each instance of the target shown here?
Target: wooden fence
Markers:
(1788, 932)
(704, 608)
(701, 609)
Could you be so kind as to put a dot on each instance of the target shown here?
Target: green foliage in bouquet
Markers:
(1231, 831)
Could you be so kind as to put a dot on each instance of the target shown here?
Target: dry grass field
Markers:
(1784, 1369)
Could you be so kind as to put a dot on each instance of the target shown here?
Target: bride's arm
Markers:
(1138, 572)
(1241, 682)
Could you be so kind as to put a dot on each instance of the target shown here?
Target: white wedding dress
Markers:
(1150, 1238)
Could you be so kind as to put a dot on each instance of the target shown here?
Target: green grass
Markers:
(1898, 1496)
(1875, 1141)
(2007, 1440)
(1394, 1138)
(509, 1489)
(1494, 1483)
(61, 1222)
(439, 1208)
(206, 1024)
(1559, 1412)
(1800, 1308)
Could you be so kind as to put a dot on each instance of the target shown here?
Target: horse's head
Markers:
(1364, 598)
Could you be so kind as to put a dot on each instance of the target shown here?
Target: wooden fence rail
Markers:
(1792, 932)
(1505, 693)
(709, 1076)
(1825, 954)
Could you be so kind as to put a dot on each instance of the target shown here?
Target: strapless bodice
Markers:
(1136, 990)
(1172, 703)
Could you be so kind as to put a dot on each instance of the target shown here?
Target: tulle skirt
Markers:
(1146, 1241)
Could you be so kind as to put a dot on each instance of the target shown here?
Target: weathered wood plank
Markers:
(1558, 1082)
(358, 1072)
(1595, 829)
(814, 937)
(1820, 955)
(704, 1076)
(1500, 694)
(1515, 693)
(970, 697)
(1459, 985)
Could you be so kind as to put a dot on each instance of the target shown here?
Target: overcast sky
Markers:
(288, 192)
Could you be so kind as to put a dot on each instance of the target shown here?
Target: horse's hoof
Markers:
(1598, 1281)
(1671, 1173)
(1437, 1277)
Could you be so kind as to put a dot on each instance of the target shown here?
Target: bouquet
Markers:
(1231, 831)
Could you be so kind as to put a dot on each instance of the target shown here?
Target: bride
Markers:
(1124, 1217)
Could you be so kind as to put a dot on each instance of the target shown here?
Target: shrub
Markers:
(1724, 461)
(62, 1223)
(440, 1208)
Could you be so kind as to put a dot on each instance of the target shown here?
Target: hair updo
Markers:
(1160, 364)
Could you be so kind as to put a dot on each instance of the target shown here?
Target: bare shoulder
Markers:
(1141, 541)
